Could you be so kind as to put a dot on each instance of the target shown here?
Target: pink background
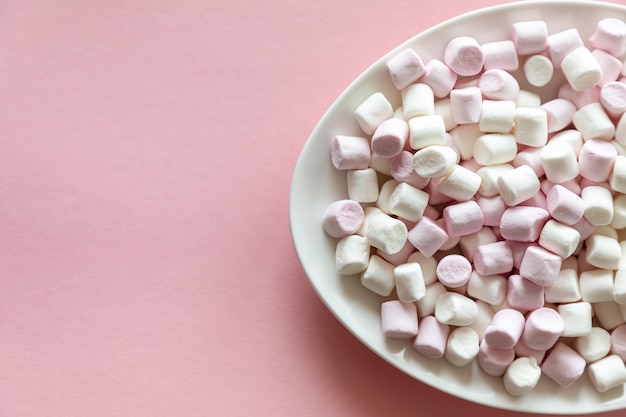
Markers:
(146, 153)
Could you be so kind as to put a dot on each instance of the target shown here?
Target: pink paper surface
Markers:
(146, 266)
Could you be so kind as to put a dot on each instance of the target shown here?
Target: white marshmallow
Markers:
(426, 131)
(570, 136)
(521, 376)
(488, 288)
(409, 282)
(370, 213)
(603, 252)
(527, 98)
(386, 233)
(596, 286)
(607, 373)
(444, 109)
(462, 346)
(593, 346)
(362, 185)
(455, 309)
(426, 305)
(497, 116)
(531, 126)
(418, 100)
(378, 276)
(592, 122)
(559, 238)
(383, 195)
(469, 243)
(538, 70)
(608, 315)
(460, 183)
(599, 205)
(484, 318)
(518, 185)
(559, 162)
(408, 202)
(565, 289)
(617, 179)
(577, 318)
(489, 178)
(352, 255)
(581, 69)
(374, 110)
(620, 130)
(428, 265)
(464, 137)
(380, 164)
(434, 161)
(619, 286)
(560, 44)
(495, 148)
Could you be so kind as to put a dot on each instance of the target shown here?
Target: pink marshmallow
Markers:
(538, 200)
(571, 185)
(431, 338)
(454, 270)
(497, 84)
(560, 113)
(343, 218)
(585, 228)
(505, 329)
(466, 105)
(618, 341)
(596, 160)
(523, 351)
(427, 237)
(565, 206)
(613, 98)
(540, 266)
(518, 249)
(531, 157)
(398, 258)
(350, 152)
(500, 55)
(524, 294)
(523, 223)
(493, 258)
(462, 219)
(436, 196)
(402, 170)
(390, 137)
(610, 35)
(562, 43)
(464, 56)
(563, 365)
(405, 68)
(542, 329)
(439, 77)
(492, 208)
(530, 37)
(494, 361)
(611, 66)
(399, 320)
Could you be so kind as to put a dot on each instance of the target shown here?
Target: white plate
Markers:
(316, 184)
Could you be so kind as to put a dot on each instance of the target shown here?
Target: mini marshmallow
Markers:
(434, 161)
(494, 361)
(493, 208)
(380, 164)
(399, 320)
(565, 289)
(409, 281)
(610, 35)
(464, 56)
(598, 205)
(542, 329)
(596, 160)
(370, 213)
(538, 70)
(563, 365)
(444, 109)
(540, 266)
(530, 37)
(537, 200)
(560, 44)
(386, 233)
(455, 309)
(389, 137)
(460, 183)
(436, 197)
(500, 55)
(518, 185)
(617, 178)
(464, 137)
(402, 170)
(607, 373)
(462, 218)
(559, 238)
(352, 255)
(531, 126)
(484, 318)
(489, 179)
(399, 257)
(521, 376)
(497, 116)
(374, 110)
(577, 318)
(405, 68)
(378, 276)
(488, 288)
(462, 346)
(527, 98)
(426, 130)
(524, 294)
(343, 218)
(439, 77)
(593, 346)
(560, 113)
(384, 193)
(532, 158)
(493, 258)
(408, 202)
(431, 338)
(469, 243)
(497, 84)
(618, 341)
(426, 305)
(417, 100)
(611, 66)
(466, 105)
(495, 148)
(581, 69)
(350, 152)
(454, 270)
(523, 224)
(427, 236)
(593, 122)
(603, 252)
(619, 285)
(608, 315)
(613, 98)
(362, 185)
(505, 329)
(571, 137)
(564, 205)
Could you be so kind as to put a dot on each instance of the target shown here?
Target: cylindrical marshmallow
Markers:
(494, 361)
(540, 266)
(405, 68)
(618, 341)
(409, 282)
(559, 238)
(468, 243)
(563, 365)
(617, 178)
(608, 315)
(488, 288)
(462, 218)
(454, 270)
(531, 126)
(466, 105)
(523, 294)
(428, 265)
(426, 130)
(565, 289)
(593, 346)
(343, 218)
(603, 252)
(386, 233)
(493, 258)
(380, 164)
(593, 123)
(505, 329)
(577, 318)
(390, 137)
(417, 100)
(527, 98)
(564, 205)
(431, 338)
(530, 37)
(352, 255)
(434, 161)
(427, 237)
(611, 66)
(497, 116)
(607, 373)
(350, 152)
(596, 160)
(455, 309)
(489, 179)
(532, 158)
(560, 44)
(560, 113)
(493, 208)
(462, 346)
(399, 320)
(439, 77)
(362, 185)
(497, 84)
(523, 223)
(464, 55)
(426, 306)
(518, 185)
(542, 329)
(374, 110)
(402, 170)
(495, 148)
(613, 98)
(610, 35)
(460, 183)
(378, 276)
(464, 137)
(500, 55)
(559, 162)
(581, 69)
(538, 70)
(521, 376)
(571, 137)
(408, 202)
(598, 205)
(619, 285)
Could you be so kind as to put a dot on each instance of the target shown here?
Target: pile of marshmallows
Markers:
(494, 220)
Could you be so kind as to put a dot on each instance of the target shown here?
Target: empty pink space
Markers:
(146, 153)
